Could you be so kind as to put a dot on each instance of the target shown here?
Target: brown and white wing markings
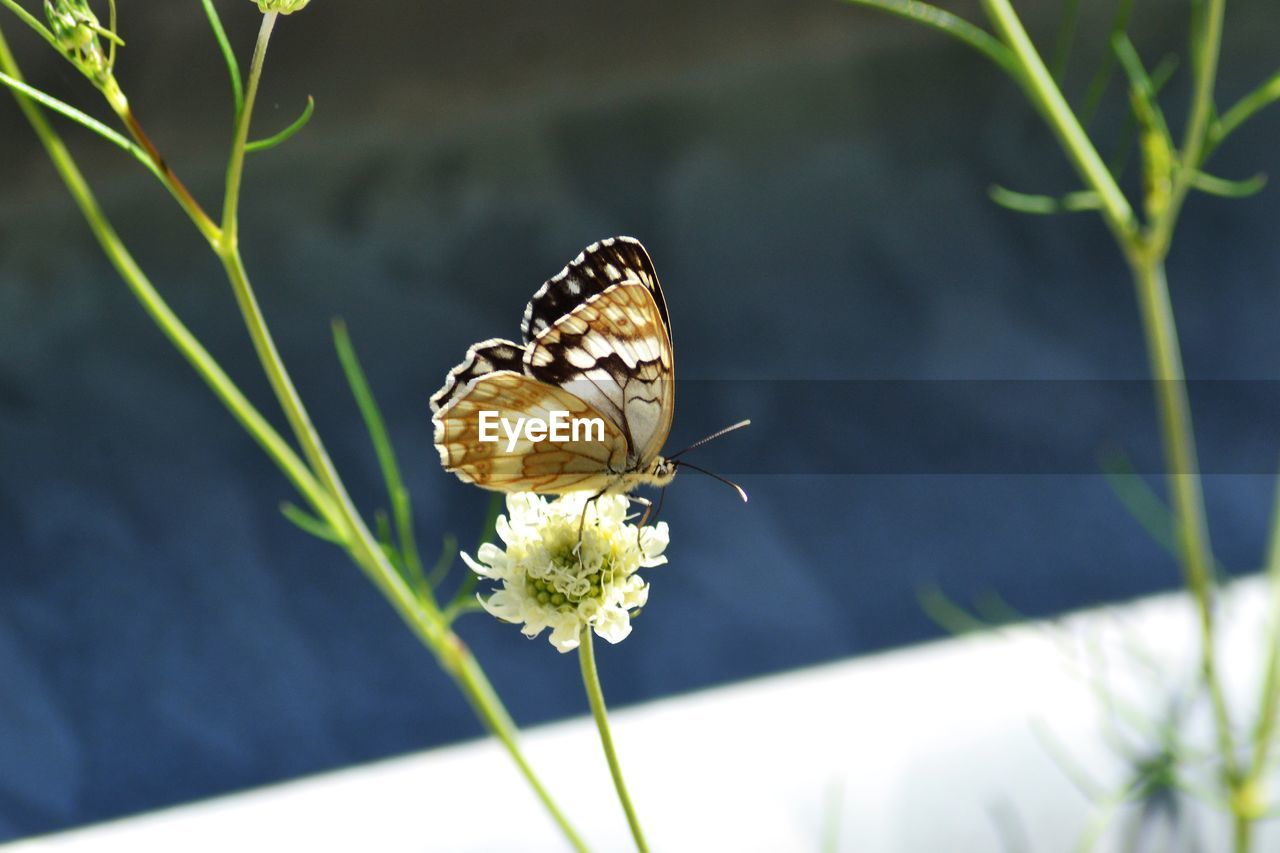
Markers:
(600, 328)
(597, 344)
(598, 267)
(613, 351)
(549, 467)
(485, 357)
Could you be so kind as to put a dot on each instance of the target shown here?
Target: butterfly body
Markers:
(597, 347)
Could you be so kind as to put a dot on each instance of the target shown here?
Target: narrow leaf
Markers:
(309, 523)
(1072, 202)
(1227, 188)
(954, 26)
(283, 136)
(401, 506)
(83, 119)
(228, 55)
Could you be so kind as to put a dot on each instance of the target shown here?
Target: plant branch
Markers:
(181, 337)
(952, 25)
(1048, 98)
(595, 696)
(1205, 51)
(326, 496)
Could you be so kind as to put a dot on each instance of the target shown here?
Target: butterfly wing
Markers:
(485, 357)
(549, 467)
(600, 329)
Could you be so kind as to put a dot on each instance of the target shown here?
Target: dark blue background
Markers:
(810, 180)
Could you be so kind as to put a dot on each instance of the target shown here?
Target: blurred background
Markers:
(810, 179)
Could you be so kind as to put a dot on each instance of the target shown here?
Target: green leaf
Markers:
(954, 26)
(309, 523)
(1266, 93)
(32, 22)
(1072, 202)
(1140, 500)
(401, 507)
(1102, 77)
(283, 136)
(228, 55)
(1146, 107)
(1227, 188)
(81, 118)
(466, 590)
(448, 553)
(946, 614)
(1066, 37)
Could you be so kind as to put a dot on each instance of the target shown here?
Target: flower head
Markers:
(284, 7)
(79, 34)
(550, 579)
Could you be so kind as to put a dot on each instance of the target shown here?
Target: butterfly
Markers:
(597, 347)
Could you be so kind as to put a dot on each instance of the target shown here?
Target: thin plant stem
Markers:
(172, 327)
(235, 167)
(1145, 253)
(591, 681)
(327, 496)
(1196, 137)
(1049, 100)
(1267, 93)
(949, 24)
(421, 614)
(195, 212)
(1183, 477)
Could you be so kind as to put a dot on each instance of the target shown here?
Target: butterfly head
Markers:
(661, 472)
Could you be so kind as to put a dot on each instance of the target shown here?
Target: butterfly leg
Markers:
(582, 523)
(648, 508)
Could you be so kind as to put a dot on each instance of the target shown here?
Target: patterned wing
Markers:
(549, 467)
(600, 329)
(598, 267)
(485, 357)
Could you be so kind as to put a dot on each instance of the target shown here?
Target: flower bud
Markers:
(284, 7)
(79, 34)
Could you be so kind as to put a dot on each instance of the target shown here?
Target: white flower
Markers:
(548, 581)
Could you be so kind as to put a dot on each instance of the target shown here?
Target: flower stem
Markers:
(240, 139)
(591, 681)
(1052, 104)
(1145, 252)
(319, 483)
(470, 678)
(1183, 474)
(178, 334)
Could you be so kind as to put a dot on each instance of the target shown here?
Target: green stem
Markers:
(1049, 100)
(420, 614)
(1145, 253)
(949, 24)
(466, 672)
(240, 138)
(1183, 475)
(1251, 786)
(172, 327)
(32, 22)
(591, 681)
(1264, 95)
(1196, 139)
(329, 499)
(206, 226)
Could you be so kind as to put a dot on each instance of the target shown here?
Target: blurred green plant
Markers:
(390, 558)
(1144, 232)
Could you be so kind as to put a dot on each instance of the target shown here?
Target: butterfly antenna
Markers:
(712, 437)
(742, 493)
